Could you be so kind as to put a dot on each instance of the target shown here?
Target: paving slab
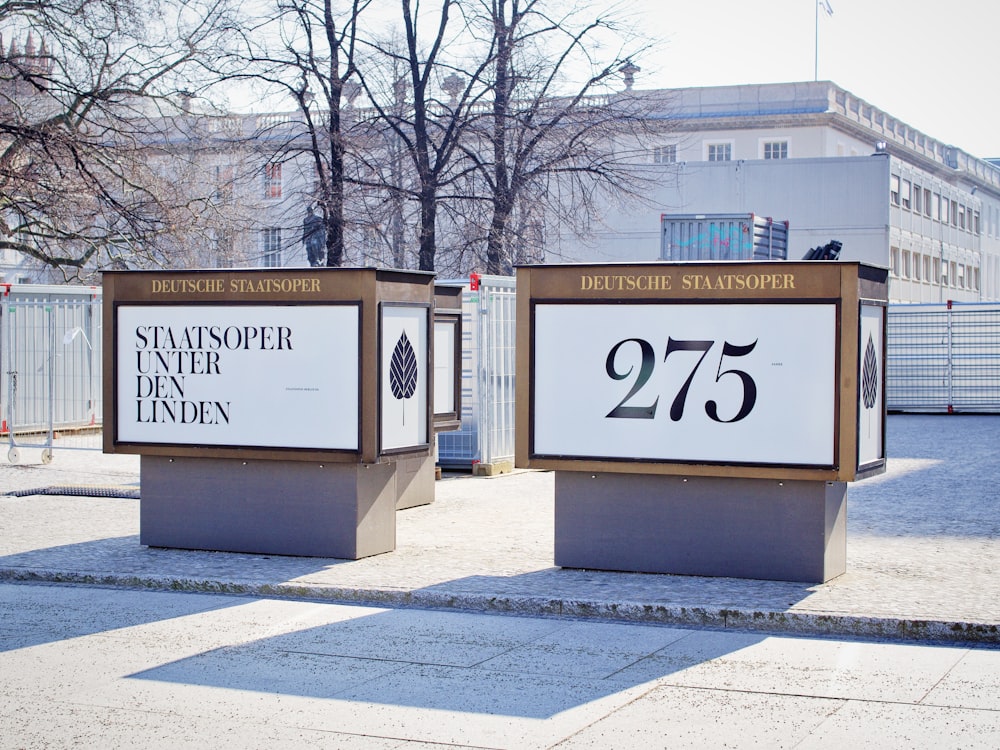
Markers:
(114, 667)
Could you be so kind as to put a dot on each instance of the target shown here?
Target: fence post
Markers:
(951, 363)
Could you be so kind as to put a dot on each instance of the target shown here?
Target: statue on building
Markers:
(314, 238)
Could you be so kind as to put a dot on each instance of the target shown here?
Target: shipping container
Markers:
(722, 237)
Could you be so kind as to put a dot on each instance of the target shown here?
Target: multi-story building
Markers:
(834, 167)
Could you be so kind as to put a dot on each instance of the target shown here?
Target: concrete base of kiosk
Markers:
(342, 510)
(790, 530)
(414, 481)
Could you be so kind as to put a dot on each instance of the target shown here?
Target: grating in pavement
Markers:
(80, 490)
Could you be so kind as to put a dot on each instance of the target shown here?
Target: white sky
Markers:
(932, 65)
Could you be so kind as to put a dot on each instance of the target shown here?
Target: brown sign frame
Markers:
(365, 287)
(448, 310)
(844, 284)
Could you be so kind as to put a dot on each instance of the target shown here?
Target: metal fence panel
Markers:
(50, 367)
(944, 358)
(488, 365)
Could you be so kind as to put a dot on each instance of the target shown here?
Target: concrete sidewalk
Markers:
(923, 549)
(86, 666)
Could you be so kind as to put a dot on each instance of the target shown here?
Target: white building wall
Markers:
(822, 199)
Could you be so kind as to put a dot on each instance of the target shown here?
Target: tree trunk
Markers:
(428, 220)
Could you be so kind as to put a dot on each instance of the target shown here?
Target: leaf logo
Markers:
(403, 369)
(869, 378)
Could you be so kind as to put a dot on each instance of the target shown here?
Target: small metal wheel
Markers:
(46, 455)
(13, 455)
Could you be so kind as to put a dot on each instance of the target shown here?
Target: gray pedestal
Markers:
(414, 481)
(789, 530)
(268, 507)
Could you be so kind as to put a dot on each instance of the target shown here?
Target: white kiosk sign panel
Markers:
(238, 375)
(404, 379)
(445, 343)
(704, 383)
(871, 391)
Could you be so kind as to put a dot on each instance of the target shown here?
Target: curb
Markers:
(810, 624)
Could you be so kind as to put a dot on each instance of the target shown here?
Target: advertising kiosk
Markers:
(702, 418)
(416, 474)
(270, 407)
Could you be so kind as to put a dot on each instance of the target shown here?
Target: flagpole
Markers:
(816, 45)
(828, 9)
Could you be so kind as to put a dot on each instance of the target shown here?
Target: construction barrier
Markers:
(944, 358)
(485, 441)
(50, 368)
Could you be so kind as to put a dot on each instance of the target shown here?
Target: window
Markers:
(937, 207)
(976, 226)
(894, 189)
(961, 216)
(907, 269)
(927, 268)
(952, 272)
(272, 180)
(918, 194)
(665, 154)
(270, 246)
(927, 202)
(960, 278)
(370, 240)
(776, 150)
(720, 151)
(894, 261)
(905, 194)
(224, 183)
(937, 271)
(954, 213)
(223, 249)
(916, 266)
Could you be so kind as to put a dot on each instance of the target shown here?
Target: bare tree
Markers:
(429, 128)
(91, 90)
(552, 118)
(307, 51)
(478, 116)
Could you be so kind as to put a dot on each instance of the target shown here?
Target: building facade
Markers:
(834, 167)
(830, 164)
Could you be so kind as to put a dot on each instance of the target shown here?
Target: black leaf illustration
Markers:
(869, 378)
(403, 369)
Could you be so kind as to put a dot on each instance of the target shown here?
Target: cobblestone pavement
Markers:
(923, 549)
